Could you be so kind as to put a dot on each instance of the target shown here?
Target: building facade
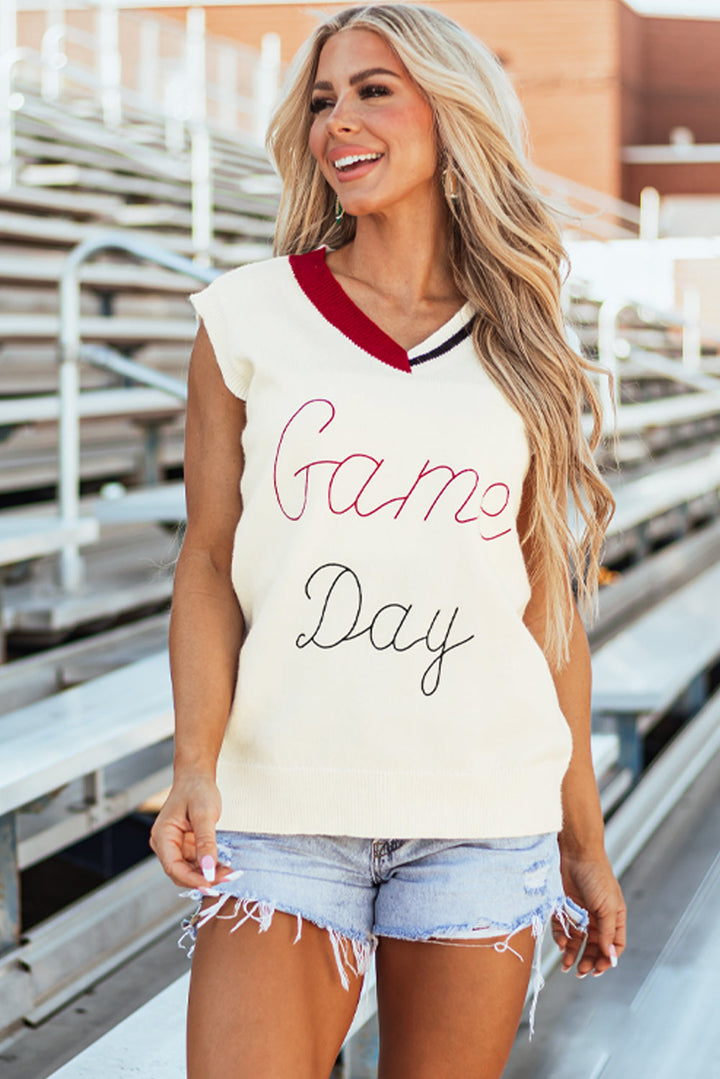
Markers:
(615, 100)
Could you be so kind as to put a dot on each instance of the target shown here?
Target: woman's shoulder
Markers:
(249, 281)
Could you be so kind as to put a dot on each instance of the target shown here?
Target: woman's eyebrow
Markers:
(359, 77)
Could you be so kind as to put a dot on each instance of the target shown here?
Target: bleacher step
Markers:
(649, 664)
(53, 614)
(35, 677)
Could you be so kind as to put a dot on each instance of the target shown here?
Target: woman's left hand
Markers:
(591, 883)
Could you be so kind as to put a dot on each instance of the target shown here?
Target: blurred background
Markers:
(132, 171)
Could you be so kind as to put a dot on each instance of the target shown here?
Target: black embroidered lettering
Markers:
(373, 627)
(443, 648)
(341, 611)
(304, 639)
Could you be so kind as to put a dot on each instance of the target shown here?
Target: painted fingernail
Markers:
(613, 956)
(597, 974)
(581, 976)
(207, 864)
(234, 875)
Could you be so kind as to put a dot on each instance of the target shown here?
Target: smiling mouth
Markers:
(354, 161)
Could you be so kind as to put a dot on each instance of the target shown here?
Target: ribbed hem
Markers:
(407, 805)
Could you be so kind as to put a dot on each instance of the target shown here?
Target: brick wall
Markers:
(681, 78)
(632, 39)
(681, 179)
(670, 78)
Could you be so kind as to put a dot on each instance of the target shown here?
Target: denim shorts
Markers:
(445, 890)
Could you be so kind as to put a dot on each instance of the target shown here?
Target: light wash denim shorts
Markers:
(445, 890)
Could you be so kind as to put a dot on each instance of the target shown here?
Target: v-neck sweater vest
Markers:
(387, 685)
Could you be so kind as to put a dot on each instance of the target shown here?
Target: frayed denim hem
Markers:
(353, 954)
(568, 914)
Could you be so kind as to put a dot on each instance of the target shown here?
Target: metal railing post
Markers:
(265, 84)
(53, 58)
(227, 82)
(109, 64)
(8, 25)
(649, 214)
(8, 105)
(607, 358)
(200, 167)
(201, 180)
(691, 339)
(71, 570)
(174, 107)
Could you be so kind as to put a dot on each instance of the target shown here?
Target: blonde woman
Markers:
(382, 684)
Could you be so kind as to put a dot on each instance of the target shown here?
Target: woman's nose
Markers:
(341, 117)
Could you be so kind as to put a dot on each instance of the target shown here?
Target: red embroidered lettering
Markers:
(497, 512)
(354, 478)
(352, 504)
(305, 468)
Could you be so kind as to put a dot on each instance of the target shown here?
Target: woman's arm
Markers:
(587, 874)
(206, 626)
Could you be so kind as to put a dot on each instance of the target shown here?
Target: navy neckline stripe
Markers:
(451, 342)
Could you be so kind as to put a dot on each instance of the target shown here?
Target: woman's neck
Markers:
(400, 256)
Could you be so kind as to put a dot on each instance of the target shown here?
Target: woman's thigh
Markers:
(450, 1010)
(266, 1005)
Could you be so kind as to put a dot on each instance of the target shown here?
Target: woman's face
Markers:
(365, 106)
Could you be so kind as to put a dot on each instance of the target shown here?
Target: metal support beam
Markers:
(151, 469)
(9, 885)
(360, 1053)
(631, 745)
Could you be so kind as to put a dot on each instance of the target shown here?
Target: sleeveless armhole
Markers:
(214, 308)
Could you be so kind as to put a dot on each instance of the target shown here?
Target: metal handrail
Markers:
(694, 332)
(70, 567)
(593, 212)
(589, 196)
(112, 360)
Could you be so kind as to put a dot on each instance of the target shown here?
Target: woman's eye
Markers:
(319, 103)
(374, 90)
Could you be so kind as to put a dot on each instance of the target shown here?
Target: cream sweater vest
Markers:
(387, 685)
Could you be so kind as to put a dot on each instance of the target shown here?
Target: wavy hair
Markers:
(507, 259)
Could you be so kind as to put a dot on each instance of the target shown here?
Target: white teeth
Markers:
(343, 162)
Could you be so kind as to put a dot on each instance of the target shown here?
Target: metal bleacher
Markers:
(77, 760)
(85, 718)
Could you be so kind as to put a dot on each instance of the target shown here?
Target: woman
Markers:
(413, 666)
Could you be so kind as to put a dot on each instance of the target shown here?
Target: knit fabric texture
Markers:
(387, 685)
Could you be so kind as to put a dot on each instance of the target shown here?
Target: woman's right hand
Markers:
(183, 835)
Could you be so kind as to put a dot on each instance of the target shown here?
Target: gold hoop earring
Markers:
(450, 184)
(339, 211)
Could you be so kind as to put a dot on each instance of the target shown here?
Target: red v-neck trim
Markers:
(327, 295)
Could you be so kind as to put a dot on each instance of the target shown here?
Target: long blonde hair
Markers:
(507, 260)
